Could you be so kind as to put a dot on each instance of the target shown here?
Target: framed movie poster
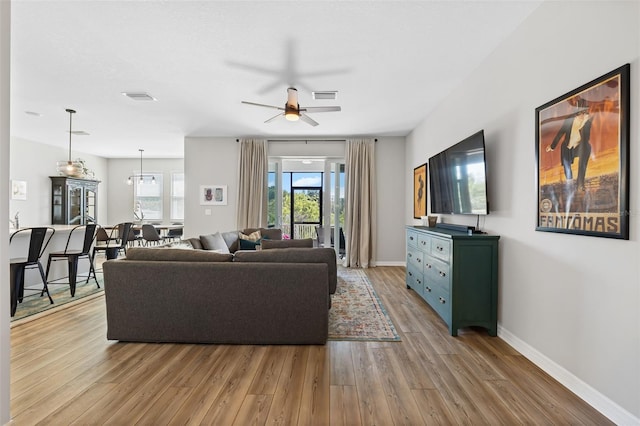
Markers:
(420, 191)
(582, 150)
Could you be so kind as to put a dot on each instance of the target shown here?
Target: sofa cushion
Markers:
(278, 244)
(214, 242)
(177, 255)
(295, 255)
(195, 243)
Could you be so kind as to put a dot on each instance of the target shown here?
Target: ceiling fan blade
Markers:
(308, 120)
(274, 117)
(321, 109)
(263, 105)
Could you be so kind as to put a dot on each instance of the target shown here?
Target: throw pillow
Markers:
(214, 242)
(254, 236)
(184, 245)
(249, 245)
(195, 243)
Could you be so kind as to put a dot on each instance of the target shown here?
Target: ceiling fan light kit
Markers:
(292, 110)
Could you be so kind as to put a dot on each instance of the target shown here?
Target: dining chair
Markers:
(175, 233)
(38, 241)
(115, 244)
(132, 236)
(150, 235)
(73, 255)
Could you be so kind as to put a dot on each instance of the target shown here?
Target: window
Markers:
(177, 197)
(147, 196)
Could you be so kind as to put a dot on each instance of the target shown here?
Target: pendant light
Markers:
(69, 167)
(141, 176)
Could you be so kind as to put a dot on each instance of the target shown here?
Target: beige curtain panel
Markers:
(360, 216)
(252, 184)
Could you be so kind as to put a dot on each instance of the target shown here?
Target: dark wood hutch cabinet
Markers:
(74, 201)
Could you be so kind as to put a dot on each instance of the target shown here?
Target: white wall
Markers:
(209, 161)
(215, 161)
(34, 162)
(389, 179)
(5, 341)
(120, 195)
(570, 303)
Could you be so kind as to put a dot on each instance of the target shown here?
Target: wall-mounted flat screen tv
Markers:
(458, 178)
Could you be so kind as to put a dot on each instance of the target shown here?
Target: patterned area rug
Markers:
(356, 311)
(34, 304)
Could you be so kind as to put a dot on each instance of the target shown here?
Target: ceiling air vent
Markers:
(326, 94)
(139, 96)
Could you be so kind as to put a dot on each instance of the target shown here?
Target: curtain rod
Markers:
(306, 140)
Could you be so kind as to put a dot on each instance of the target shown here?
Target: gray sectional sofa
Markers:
(277, 296)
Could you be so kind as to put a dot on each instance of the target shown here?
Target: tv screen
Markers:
(457, 178)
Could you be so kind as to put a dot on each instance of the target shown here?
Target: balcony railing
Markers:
(300, 230)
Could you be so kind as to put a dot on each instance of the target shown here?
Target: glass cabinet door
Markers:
(90, 198)
(75, 205)
(57, 203)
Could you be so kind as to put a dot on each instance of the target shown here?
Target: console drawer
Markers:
(441, 248)
(415, 280)
(412, 238)
(442, 306)
(437, 273)
(415, 258)
(424, 243)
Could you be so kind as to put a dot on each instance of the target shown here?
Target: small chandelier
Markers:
(141, 176)
(69, 167)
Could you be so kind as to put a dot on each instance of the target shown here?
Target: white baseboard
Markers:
(607, 407)
(391, 263)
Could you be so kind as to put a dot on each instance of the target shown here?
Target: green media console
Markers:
(456, 274)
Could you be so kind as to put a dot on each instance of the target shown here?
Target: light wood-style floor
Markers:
(64, 371)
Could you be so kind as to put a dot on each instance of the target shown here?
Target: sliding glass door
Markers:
(306, 199)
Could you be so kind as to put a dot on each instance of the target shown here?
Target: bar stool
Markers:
(38, 241)
(72, 256)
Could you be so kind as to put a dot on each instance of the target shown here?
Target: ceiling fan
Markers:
(292, 110)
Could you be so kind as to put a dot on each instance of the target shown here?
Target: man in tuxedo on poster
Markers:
(575, 134)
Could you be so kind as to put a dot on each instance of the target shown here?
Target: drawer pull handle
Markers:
(418, 281)
(411, 238)
(442, 274)
(428, 289)
(439, 248)
(410, 255)
(419, 260)
(410, 274)
(428, 266)
(424, 243)
(442, 300)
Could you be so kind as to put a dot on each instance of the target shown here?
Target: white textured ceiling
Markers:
(390, 61)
